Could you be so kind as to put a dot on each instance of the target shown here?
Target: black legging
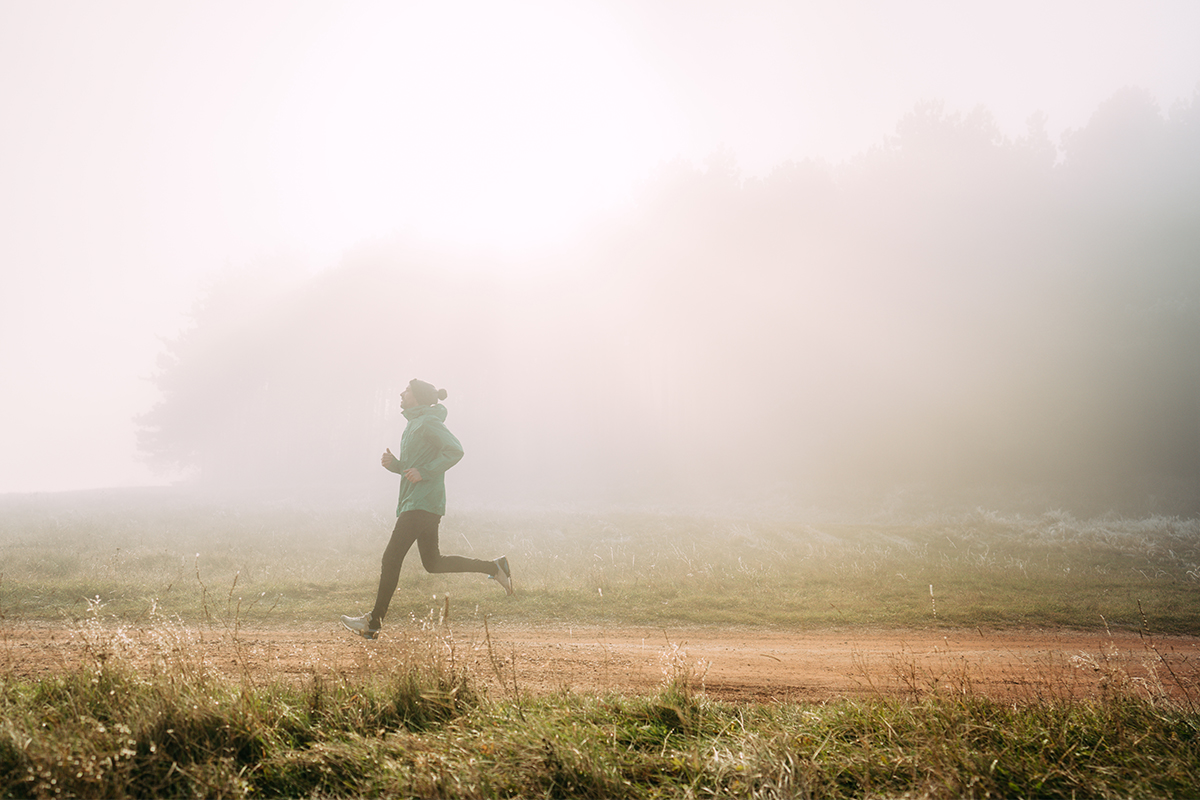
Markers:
(420, 527)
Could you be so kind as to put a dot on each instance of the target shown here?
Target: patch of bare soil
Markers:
(732, 665)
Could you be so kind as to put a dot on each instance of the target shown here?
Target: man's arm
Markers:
(449, 452)
(389, 461)
(392, 464)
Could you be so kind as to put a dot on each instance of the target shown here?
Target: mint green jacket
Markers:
(430, 447)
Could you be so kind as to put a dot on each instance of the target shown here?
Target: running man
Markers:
(427, 450)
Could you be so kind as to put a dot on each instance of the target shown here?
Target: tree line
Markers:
(954, 315)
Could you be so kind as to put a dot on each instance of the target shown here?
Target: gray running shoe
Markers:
(503, 574)
(360, 625)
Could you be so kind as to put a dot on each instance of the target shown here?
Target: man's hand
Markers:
(412, 474)
(388, 459)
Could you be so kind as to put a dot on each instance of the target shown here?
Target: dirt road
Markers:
(728, 664)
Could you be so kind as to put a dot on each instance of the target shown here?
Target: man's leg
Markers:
(403, 536)
(432, 558)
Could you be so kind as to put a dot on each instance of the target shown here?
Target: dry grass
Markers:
(413, 722)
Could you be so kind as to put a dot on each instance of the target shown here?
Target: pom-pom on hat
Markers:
(425, 393)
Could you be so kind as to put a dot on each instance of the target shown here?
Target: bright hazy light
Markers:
(148, 147)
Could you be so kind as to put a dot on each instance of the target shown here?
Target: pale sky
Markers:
(148, 145)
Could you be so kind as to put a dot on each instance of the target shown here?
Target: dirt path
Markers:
(730, 664)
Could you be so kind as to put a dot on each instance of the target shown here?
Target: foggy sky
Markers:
(954, 319)
(147, 148)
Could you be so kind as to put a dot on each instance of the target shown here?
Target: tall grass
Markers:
(411, 720)
(423, 727)
(175, 727)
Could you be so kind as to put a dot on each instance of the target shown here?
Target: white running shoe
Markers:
(360, 625)
(503, 574)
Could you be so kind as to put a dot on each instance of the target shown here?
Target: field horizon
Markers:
(190, 557)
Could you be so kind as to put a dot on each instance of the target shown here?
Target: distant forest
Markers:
(954, 317)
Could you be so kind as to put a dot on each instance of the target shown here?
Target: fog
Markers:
(667, 255)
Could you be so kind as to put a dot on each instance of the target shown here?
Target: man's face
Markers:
(406, 399)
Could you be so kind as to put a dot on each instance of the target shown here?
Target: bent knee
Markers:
(432, 563)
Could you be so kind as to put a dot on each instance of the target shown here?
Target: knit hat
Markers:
(425, 393)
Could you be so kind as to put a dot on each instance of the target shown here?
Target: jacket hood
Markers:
(437, 410)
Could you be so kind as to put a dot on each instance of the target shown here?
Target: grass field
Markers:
(109, 729)
(979, 569)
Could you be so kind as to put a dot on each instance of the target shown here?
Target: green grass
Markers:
(283, 565)
(424, 726)
(426, 730)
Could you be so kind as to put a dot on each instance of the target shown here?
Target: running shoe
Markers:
(360, 625)
(503, 574)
